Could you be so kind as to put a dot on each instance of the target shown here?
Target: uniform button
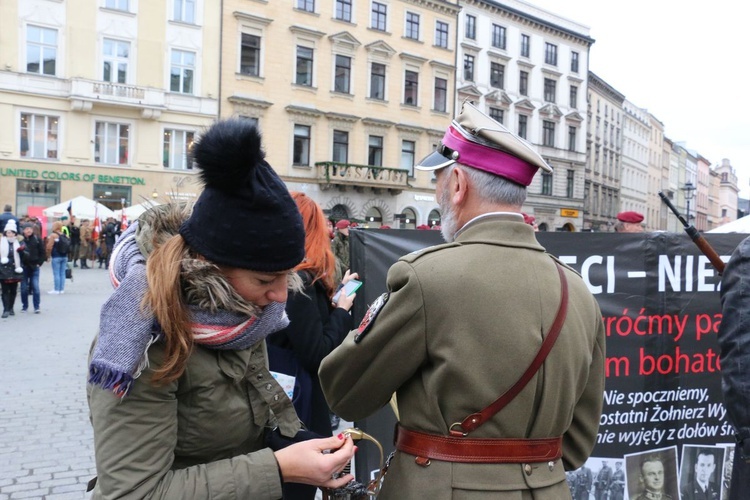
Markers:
(551, 465)
(275, 397)
(527, 469)
(268, 387)
(253, 368)
(260, 376)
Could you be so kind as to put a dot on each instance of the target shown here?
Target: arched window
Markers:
(339, 212)
(373, 217)
(434, 218)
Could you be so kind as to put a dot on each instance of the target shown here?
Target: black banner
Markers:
(659, 298)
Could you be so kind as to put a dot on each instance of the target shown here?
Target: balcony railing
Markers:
(346, 174)
(118, 94)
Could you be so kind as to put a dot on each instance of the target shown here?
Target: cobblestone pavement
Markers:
(46, 442)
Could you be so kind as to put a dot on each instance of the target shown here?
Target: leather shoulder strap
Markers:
(474, 420)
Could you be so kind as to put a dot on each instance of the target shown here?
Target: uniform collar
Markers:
(499, 228)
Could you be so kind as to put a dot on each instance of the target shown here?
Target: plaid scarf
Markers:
(126, 331)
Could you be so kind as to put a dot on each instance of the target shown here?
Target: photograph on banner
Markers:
(652, 474)
(701, 470)
(726, 478)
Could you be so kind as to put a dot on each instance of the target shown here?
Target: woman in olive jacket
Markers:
(181, 400)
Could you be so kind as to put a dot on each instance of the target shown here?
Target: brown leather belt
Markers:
(477, 451)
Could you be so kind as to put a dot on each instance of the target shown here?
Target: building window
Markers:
(177, 147)
(379, 15)
(570, 184)
(523, 83)
(375, 151)
(441, 95)
(306, 5)
(116, 4)
(377, 81)
(498, 36)
(116, 54)
(304, 75)
(411, 88)
(344, 10)
(547, 183)
(525, 45)
(250, 55)
(550, 87)
(184, 11)
(340, 146)
(35, 194)
(182, 71)
(253, 120)
(523, 123)
(549, 133)
(550, 54)
(343, 74)
(497, 114)
(301, 154)
(497, 75)
(468, 67)
(574, 62)
(39, 136)
(573, 96)
(408, 149)
(412, 26)
(572, 138)
(441, 34)
(471, 27)
(111, 143)
(41, 50)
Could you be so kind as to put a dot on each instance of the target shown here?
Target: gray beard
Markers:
(448, 219)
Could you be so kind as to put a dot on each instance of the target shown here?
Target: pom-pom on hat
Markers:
(632, 217)
(11, 226)
(245, 216)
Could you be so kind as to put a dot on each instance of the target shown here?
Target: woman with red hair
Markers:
(317, 326)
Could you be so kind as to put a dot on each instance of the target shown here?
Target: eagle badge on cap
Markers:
(370, 316)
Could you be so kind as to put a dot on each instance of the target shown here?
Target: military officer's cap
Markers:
(476, 140)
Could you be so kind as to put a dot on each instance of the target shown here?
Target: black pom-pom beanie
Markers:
(245, 216)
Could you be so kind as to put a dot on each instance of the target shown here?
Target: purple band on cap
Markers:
(489, 159)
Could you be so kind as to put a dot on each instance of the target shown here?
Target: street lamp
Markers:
(689, 192)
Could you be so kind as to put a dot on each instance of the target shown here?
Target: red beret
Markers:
(342, 224)
(423, 226)
(528, 219)
(385, 227)
(633, 217)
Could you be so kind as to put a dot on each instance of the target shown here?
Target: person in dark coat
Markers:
(33, 256)
(317, 326)
(5, 217)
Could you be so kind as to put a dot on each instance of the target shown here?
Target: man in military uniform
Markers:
(652, 478)
(585, 481)
(603, 478)
(617, 486)
(702, 486)
(462, 324)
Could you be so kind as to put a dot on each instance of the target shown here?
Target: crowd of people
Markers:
(25, 248)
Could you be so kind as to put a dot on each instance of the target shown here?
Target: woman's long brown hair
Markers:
(164, 300)
(319, 260)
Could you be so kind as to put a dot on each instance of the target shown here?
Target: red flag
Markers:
(96, 231)
(124, 221)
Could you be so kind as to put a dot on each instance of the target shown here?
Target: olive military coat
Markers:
(461, 324)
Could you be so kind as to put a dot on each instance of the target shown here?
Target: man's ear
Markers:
(459, 186)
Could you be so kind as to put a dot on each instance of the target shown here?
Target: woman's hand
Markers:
(317, 461)
(348, 276)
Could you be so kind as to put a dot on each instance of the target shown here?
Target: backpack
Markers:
(62, 245)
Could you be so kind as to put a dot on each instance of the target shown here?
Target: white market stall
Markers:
(81, 207)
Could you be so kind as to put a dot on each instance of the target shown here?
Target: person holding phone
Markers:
(316, 327)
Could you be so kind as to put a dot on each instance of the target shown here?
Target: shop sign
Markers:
(569, 212)
(53, 175)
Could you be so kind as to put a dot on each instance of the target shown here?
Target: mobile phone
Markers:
(350, 287)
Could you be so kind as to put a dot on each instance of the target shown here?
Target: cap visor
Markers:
(434, 161)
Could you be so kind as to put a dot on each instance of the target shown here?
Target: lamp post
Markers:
(689, 190)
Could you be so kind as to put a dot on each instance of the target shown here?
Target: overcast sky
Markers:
(687, 63)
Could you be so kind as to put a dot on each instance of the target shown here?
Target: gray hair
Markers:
(495, 189)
